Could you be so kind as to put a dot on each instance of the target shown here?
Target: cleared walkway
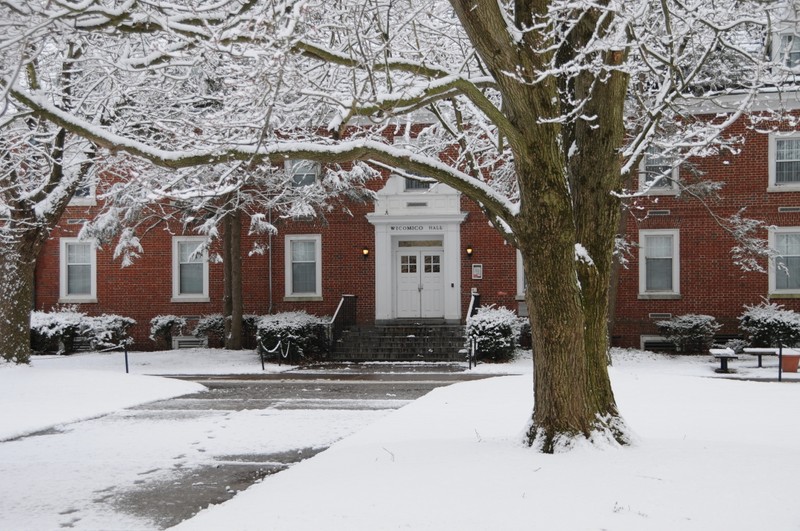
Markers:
(155, 465)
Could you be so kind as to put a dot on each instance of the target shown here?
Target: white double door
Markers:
(419, 284)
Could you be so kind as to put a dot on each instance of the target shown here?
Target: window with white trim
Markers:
(658, 174)
(784, 270)
(303, 172)
(189, 269)
(659, 263)
(789, 53)
(520, 277)
(84, 194)
(304, 265)
(410, 184)
(784, 161)
(78, 270)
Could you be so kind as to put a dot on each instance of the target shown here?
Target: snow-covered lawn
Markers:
(56, 390)
(711, 453)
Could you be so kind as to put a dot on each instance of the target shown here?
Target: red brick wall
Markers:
(499, 260)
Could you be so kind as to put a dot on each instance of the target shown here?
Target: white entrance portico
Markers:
(417, 252)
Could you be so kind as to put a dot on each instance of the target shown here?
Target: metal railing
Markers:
(474, 303)
(344, 317)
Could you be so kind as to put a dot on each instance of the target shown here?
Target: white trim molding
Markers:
(773, 185)
(306, 295)
(177, 295)
(673, 253)
(774, 232)
(89, 259)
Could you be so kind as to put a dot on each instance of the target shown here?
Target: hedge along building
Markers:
(421, 249)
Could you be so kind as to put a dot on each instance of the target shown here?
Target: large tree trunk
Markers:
(566, 205)
(227, 298)
(232, 307)
(18, 263)
(235, 342)
(16, 302)
(23, 235)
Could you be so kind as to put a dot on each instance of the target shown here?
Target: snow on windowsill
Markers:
(657, 296)
(302, 298)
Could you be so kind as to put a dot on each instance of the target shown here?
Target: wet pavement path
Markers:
(155, 465)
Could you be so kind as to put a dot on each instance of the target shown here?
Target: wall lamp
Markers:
(365, 253)
(469, 251)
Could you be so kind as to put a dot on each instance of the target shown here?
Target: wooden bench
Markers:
(723, 355)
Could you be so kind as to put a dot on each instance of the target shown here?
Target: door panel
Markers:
(420, 284)
(432, 284)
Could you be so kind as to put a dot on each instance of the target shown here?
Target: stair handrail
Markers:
(474, 301)
(344, 316)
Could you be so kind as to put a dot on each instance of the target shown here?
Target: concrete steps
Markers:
(401, 342)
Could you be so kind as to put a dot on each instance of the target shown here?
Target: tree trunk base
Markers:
(608, 431)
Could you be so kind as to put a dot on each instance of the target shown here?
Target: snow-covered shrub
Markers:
(250, 330)
(307, 334)
(212, 327)
(58, 330)
(107, 330)
(690, 333)
(163, 327)
(496, 331)
(769, 324)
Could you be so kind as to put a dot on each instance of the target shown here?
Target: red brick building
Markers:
(688, 255)
(419, 251)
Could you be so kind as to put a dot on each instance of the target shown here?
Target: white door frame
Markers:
(391, 229)
(418, 277)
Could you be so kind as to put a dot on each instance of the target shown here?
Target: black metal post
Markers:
(780, 361)
(261, 354)
(126, 359)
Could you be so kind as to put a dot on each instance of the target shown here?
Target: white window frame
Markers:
(675, 292)
(788, 45)
(773, 162)
(520, 278)
(411, 185)
(177, 296)
(290, 169)
(671, 189)
(772, 238)
(89, 200)
(63, 271)
(305, 296)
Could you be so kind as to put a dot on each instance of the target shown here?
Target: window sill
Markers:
(659, 192)
(77, 300)
(784, 295)
(190, 299)
(302, 298)
(659, 296)
(519, 297)
(784, 188)
(82, 202)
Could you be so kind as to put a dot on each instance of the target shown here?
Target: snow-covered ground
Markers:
(711, 453)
